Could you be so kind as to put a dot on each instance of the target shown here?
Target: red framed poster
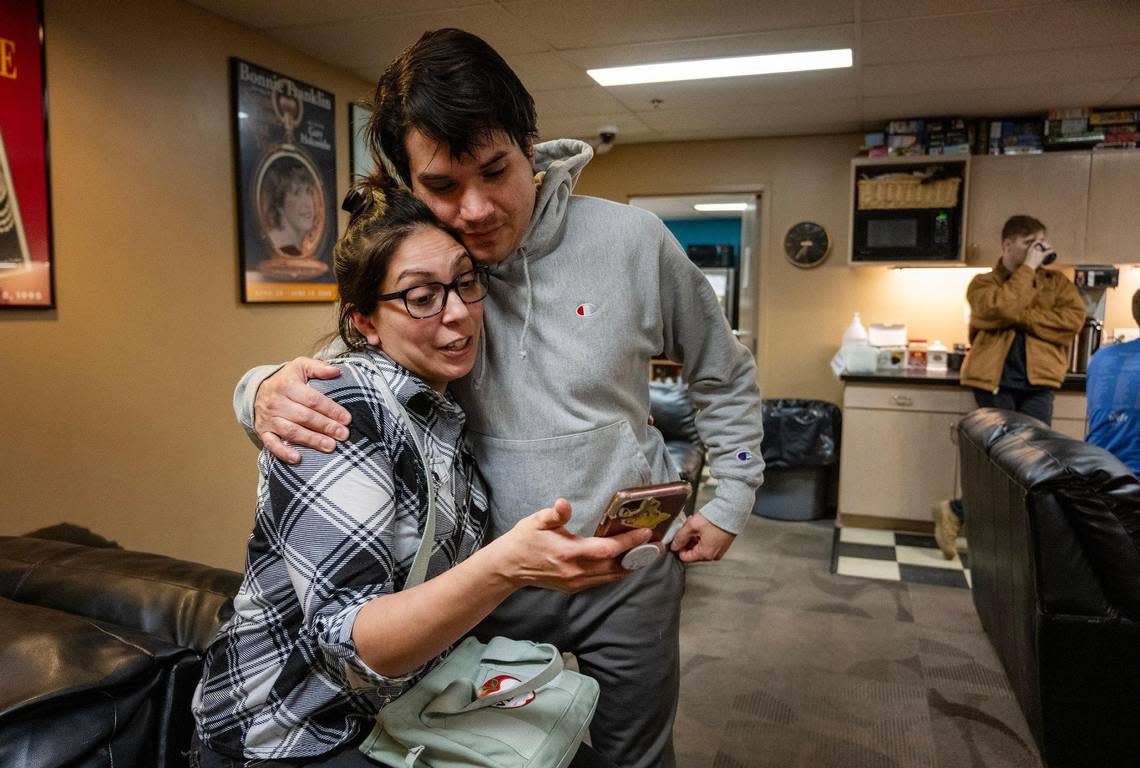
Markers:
(25, 201)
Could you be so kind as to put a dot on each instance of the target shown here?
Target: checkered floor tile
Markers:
(873, 554)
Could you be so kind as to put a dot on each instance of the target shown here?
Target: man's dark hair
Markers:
(454, 89)
(1136, 306)
(1021, 226)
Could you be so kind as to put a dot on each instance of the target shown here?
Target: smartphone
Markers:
(649, 506)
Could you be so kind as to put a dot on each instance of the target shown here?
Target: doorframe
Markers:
(761, 248)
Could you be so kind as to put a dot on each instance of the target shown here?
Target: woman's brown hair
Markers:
(382, 217)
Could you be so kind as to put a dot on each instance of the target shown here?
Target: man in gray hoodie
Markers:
(584, 292)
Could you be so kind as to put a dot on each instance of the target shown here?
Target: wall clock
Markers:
(807, 244)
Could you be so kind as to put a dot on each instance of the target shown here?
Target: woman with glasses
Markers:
(322, 634)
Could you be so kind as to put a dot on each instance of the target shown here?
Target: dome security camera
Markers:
(606, 136)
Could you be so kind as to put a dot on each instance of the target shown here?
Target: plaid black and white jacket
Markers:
(282, 678)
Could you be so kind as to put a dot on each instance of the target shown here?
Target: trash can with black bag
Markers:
(801, 458)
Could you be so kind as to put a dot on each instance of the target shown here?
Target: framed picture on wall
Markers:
(359, 158)
(285, 143)
(26, 278)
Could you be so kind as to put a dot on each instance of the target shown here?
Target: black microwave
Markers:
(907, 234)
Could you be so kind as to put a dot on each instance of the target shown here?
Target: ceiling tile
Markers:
(997, 71)
(365, 43)
(1050, 27)
(878, 10)
(538, 71)
(596, 23)
(548, 71)
(912, 57)
(764, 89)
(593, 100)
(755, 116)
(586, 128)
(739, 131)
(990, 102)
(815, 38)
(270, 14)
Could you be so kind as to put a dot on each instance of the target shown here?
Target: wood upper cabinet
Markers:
(1114, 208)
(1052, 187)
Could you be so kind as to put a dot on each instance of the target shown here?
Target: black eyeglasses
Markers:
(429, 299)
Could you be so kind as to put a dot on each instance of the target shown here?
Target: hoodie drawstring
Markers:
(529, 302)
(481, 362)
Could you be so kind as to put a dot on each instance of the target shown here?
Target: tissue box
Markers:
(881, 335)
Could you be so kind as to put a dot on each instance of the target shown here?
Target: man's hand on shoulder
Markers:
(700, 540)
(288, 412)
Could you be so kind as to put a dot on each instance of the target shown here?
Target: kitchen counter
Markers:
(1074, 382)
(898, 458)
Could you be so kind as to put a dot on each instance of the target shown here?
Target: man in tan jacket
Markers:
(1022, 321)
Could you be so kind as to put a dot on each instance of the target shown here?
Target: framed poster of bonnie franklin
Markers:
(26, 277)
(286, 186)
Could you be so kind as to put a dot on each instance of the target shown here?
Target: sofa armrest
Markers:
(176, 600)
(674, 414)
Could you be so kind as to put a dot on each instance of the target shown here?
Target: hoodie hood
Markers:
(557, 166)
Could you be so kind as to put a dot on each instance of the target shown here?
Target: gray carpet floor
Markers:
(787, 665)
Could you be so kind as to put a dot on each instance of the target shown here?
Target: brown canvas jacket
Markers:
(1043, 303)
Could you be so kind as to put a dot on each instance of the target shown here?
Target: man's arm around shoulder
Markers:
(278, 409)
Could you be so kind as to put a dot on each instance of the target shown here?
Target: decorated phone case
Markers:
(650, 506)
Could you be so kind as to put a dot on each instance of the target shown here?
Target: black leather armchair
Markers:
(675, 417)
(100, 652)
(1054, 532)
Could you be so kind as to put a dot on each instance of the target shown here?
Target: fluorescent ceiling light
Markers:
(706, 207)
(703, 69)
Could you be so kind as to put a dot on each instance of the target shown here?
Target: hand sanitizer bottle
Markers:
(856, 334)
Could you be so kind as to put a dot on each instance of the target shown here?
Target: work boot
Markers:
(946, 527)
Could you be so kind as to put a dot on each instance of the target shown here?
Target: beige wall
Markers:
(116, 406)
(1118, 313)
(116, 409)
(804, 312)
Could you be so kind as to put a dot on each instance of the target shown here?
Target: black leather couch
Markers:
(100, 652)
(674, 416)
(1054, 533)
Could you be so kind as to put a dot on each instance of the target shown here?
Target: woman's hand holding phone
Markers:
(540, 552)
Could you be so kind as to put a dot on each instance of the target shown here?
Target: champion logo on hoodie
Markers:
(585, 310)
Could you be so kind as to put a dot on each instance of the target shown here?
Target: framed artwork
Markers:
(26, 279)
(285, 143)
(360, 163)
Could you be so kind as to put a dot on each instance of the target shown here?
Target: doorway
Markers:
(721, 234)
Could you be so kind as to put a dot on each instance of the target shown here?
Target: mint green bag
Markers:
(506, 704)
(443, 722)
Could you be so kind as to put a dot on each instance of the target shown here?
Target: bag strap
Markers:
(460, 696)
(418, 571)
(412, 759)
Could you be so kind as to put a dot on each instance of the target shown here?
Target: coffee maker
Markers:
(1092, 282)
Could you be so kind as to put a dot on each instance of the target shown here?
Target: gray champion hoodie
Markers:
(558, 400)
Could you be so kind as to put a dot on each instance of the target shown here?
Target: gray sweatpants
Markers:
(625, 636)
